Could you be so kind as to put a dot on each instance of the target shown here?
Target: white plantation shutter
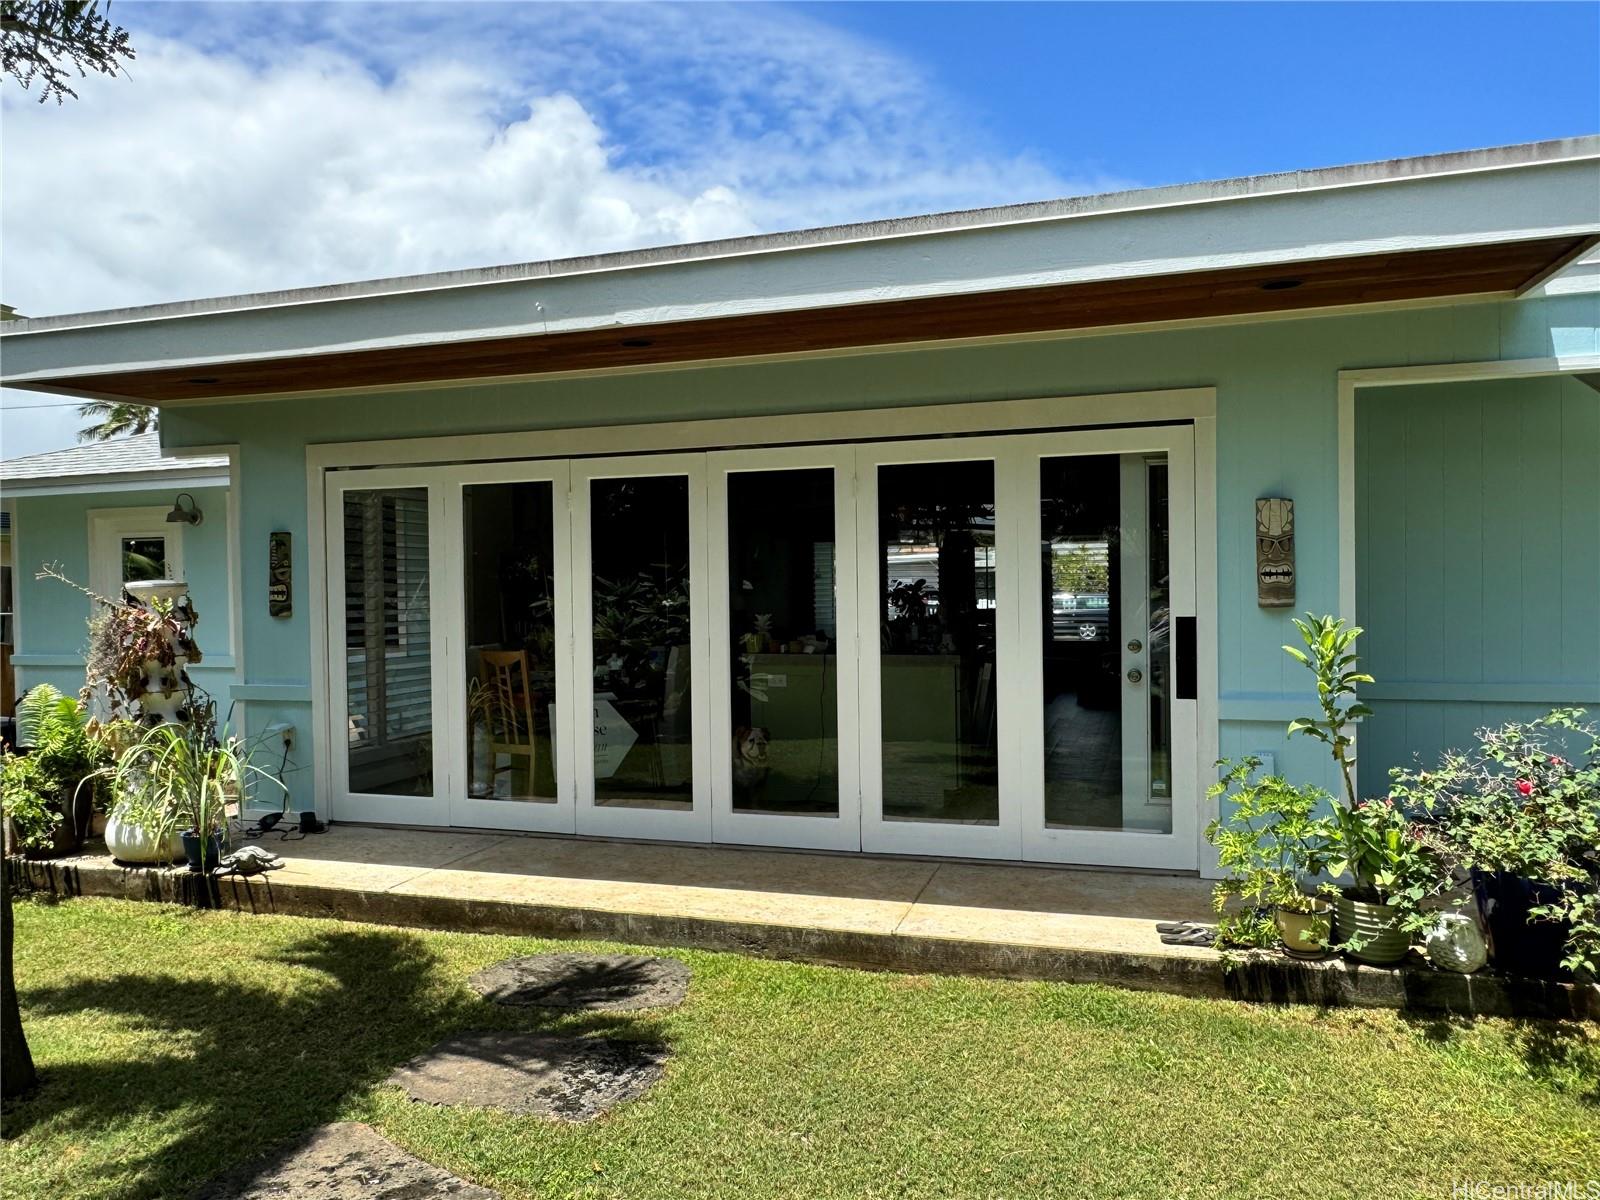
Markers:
(387, 633)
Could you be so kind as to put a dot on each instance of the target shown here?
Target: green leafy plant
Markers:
(1523, 803)
(39, 786)
(1272, 845)
(1330, 655)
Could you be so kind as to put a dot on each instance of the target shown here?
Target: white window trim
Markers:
(107, 529)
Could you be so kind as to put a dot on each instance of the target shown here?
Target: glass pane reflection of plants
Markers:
(639, 531)
(388, 642)
(509, 593)
(936, 538)
(781, 615)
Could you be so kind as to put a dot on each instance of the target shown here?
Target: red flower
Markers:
(1524, 787)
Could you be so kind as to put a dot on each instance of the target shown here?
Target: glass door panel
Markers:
(936, 588)
(643, 772)
(782, 587)
(781, 605)
(388, 642)
(509, 594)
(1105, 637)
(384, 655)
(1110, 748)
(941, 589)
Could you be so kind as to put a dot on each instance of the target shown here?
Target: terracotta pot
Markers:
(1376, 925)
(1305, 934)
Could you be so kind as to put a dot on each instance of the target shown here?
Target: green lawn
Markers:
(175, 1043)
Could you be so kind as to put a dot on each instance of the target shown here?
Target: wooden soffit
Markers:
(1283, 287)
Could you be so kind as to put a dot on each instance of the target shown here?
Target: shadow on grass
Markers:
(255, 1058)
(1564, 1055)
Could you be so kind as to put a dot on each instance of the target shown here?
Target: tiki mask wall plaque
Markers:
(1275, 553)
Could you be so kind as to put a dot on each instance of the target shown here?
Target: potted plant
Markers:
(1394, 864)
(1395, 871)
(184, 779)
(1519, 815)
(1273, 846)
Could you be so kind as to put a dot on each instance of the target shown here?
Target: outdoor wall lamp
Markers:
(185, 516)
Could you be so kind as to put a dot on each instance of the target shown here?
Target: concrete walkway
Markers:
(1027, 906)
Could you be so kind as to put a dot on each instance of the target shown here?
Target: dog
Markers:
(750, 757)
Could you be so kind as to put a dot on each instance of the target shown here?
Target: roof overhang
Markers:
(133, 481)
(1493, 222)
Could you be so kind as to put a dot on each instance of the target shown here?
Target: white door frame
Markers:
(1178, 850)
(1082, 413)
(344, 804)
(693, 824)
(1004, 838)
(523, 815)
(842, 831)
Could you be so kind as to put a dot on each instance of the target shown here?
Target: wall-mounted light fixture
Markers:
(185, 516)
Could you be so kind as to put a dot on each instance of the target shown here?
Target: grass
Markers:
(175, 1043)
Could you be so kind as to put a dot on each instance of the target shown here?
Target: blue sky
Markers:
(257, 146)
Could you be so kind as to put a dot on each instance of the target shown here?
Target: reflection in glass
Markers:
(781, 616)
(509, 594)
(388, 642)
(639, 538)
(936, 585)
(1105, 643)
(144, 558)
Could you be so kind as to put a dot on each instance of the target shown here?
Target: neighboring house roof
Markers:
(1484, 222)
(133, 463)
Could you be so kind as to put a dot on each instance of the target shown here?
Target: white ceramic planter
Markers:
(1456, 943)
(129, 843)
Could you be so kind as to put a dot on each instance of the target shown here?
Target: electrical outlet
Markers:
(283, 731)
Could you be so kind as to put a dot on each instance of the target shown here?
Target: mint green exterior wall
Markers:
(51, 619)
(1478, 559)
(1277, 427)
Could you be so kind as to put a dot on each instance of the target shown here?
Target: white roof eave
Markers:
(1542, 190)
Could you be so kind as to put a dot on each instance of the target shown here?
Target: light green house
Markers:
(932, 536)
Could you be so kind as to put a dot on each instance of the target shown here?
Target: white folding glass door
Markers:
(510, 731)
(785, 751)
(1108, 747)
(387, 665)
(641, 634)
(937, 555)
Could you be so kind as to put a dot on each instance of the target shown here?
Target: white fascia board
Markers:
(145, 481)
(1499, 204)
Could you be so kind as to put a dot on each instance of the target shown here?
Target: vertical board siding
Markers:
(1478, 527)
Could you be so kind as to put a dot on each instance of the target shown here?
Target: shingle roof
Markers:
(139, 454)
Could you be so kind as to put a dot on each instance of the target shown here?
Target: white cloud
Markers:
(258, 146)
(282, 145)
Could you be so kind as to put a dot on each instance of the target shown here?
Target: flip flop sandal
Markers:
(1200, 935)
(1177, 926)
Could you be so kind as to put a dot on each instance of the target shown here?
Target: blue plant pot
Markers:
(191, 850)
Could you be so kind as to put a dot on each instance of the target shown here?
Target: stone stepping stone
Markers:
(543, 1074)
(585, 982)
(343, 1161)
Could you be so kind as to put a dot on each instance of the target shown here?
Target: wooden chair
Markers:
(504, 674)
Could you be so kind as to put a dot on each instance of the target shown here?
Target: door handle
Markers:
(1135, 675)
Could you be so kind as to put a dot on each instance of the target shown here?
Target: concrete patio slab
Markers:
(958, 917)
